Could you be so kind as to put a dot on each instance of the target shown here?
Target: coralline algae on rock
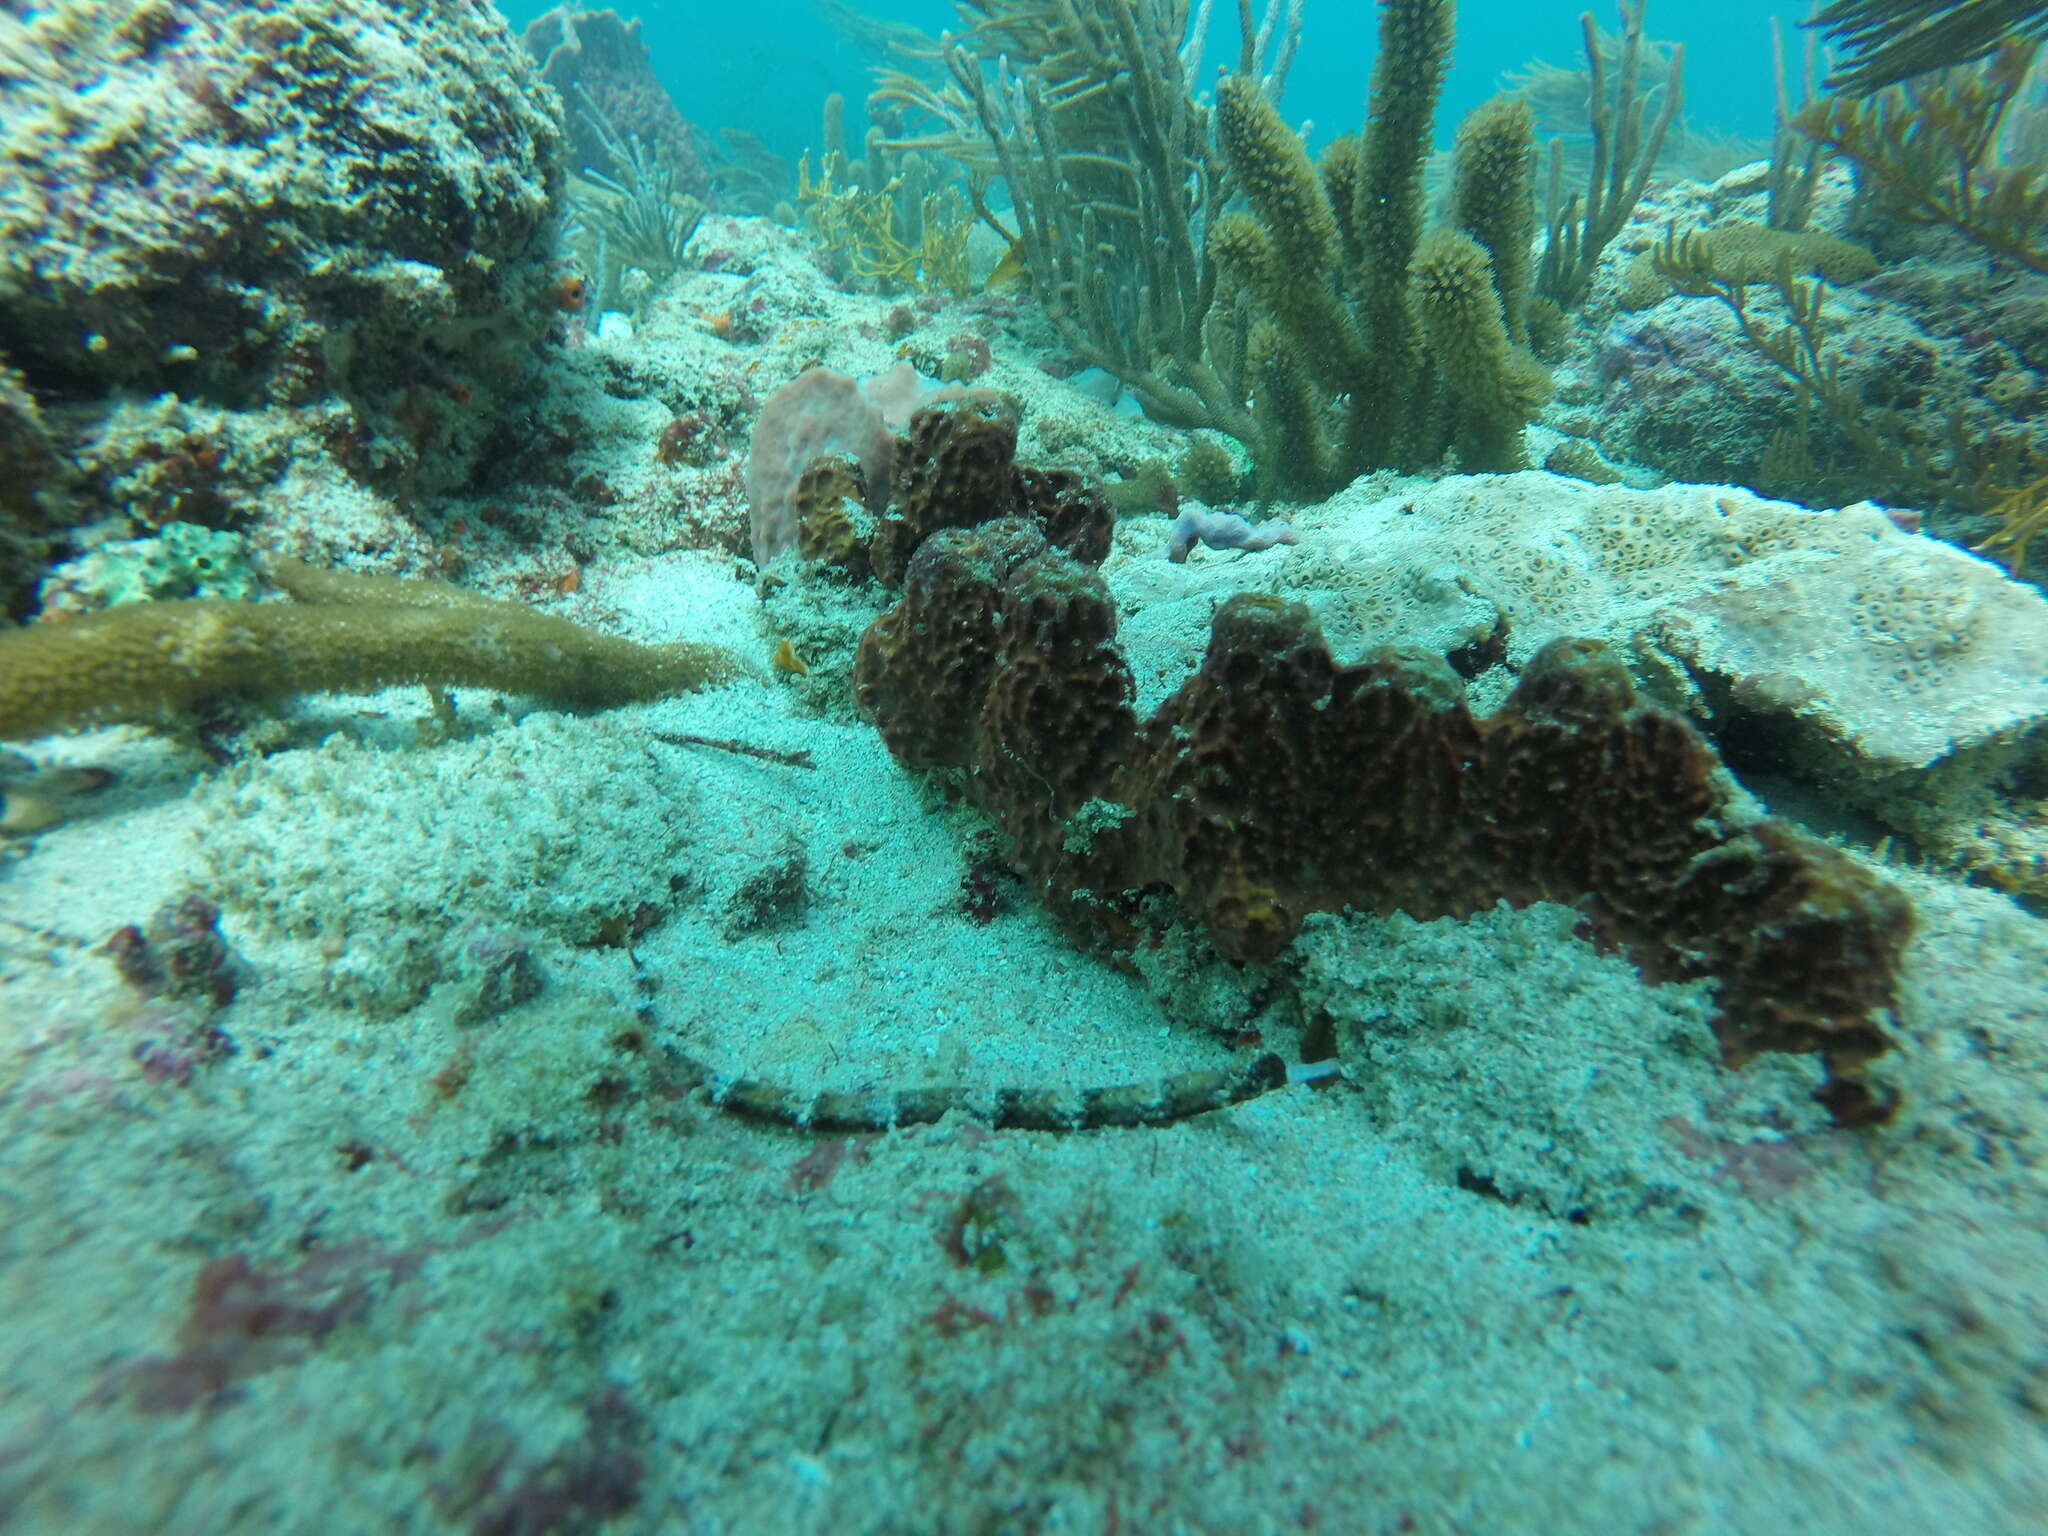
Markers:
(269, 205)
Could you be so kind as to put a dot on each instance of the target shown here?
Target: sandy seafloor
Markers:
(424, 1255)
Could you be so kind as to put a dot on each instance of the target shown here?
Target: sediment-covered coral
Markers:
(248, 205)
(1277, 782)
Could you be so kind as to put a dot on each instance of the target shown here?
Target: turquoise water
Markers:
(761, 67)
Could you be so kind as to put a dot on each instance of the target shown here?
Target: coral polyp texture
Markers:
(269, 205)
(1276, 783)
(956, 467)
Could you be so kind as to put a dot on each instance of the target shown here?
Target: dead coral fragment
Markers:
(347, 634)
(1277, 783)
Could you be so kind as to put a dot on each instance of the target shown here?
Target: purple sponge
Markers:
(1224, 530)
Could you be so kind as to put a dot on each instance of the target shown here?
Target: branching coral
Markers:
(1926, 152)
(1623, 155)
(1974, 470)
(346, 633)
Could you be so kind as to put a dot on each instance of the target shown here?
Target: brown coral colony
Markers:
(1277, 782)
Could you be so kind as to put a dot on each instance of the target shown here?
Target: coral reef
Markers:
(1931, 155)
(153, 661)
(279, 204)
(1276, 783)
(597, 61)
(1973, 458)
(1891, 672)
(1899, 366)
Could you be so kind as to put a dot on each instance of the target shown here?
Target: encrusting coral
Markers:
(1276, 783)
(345, 633)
